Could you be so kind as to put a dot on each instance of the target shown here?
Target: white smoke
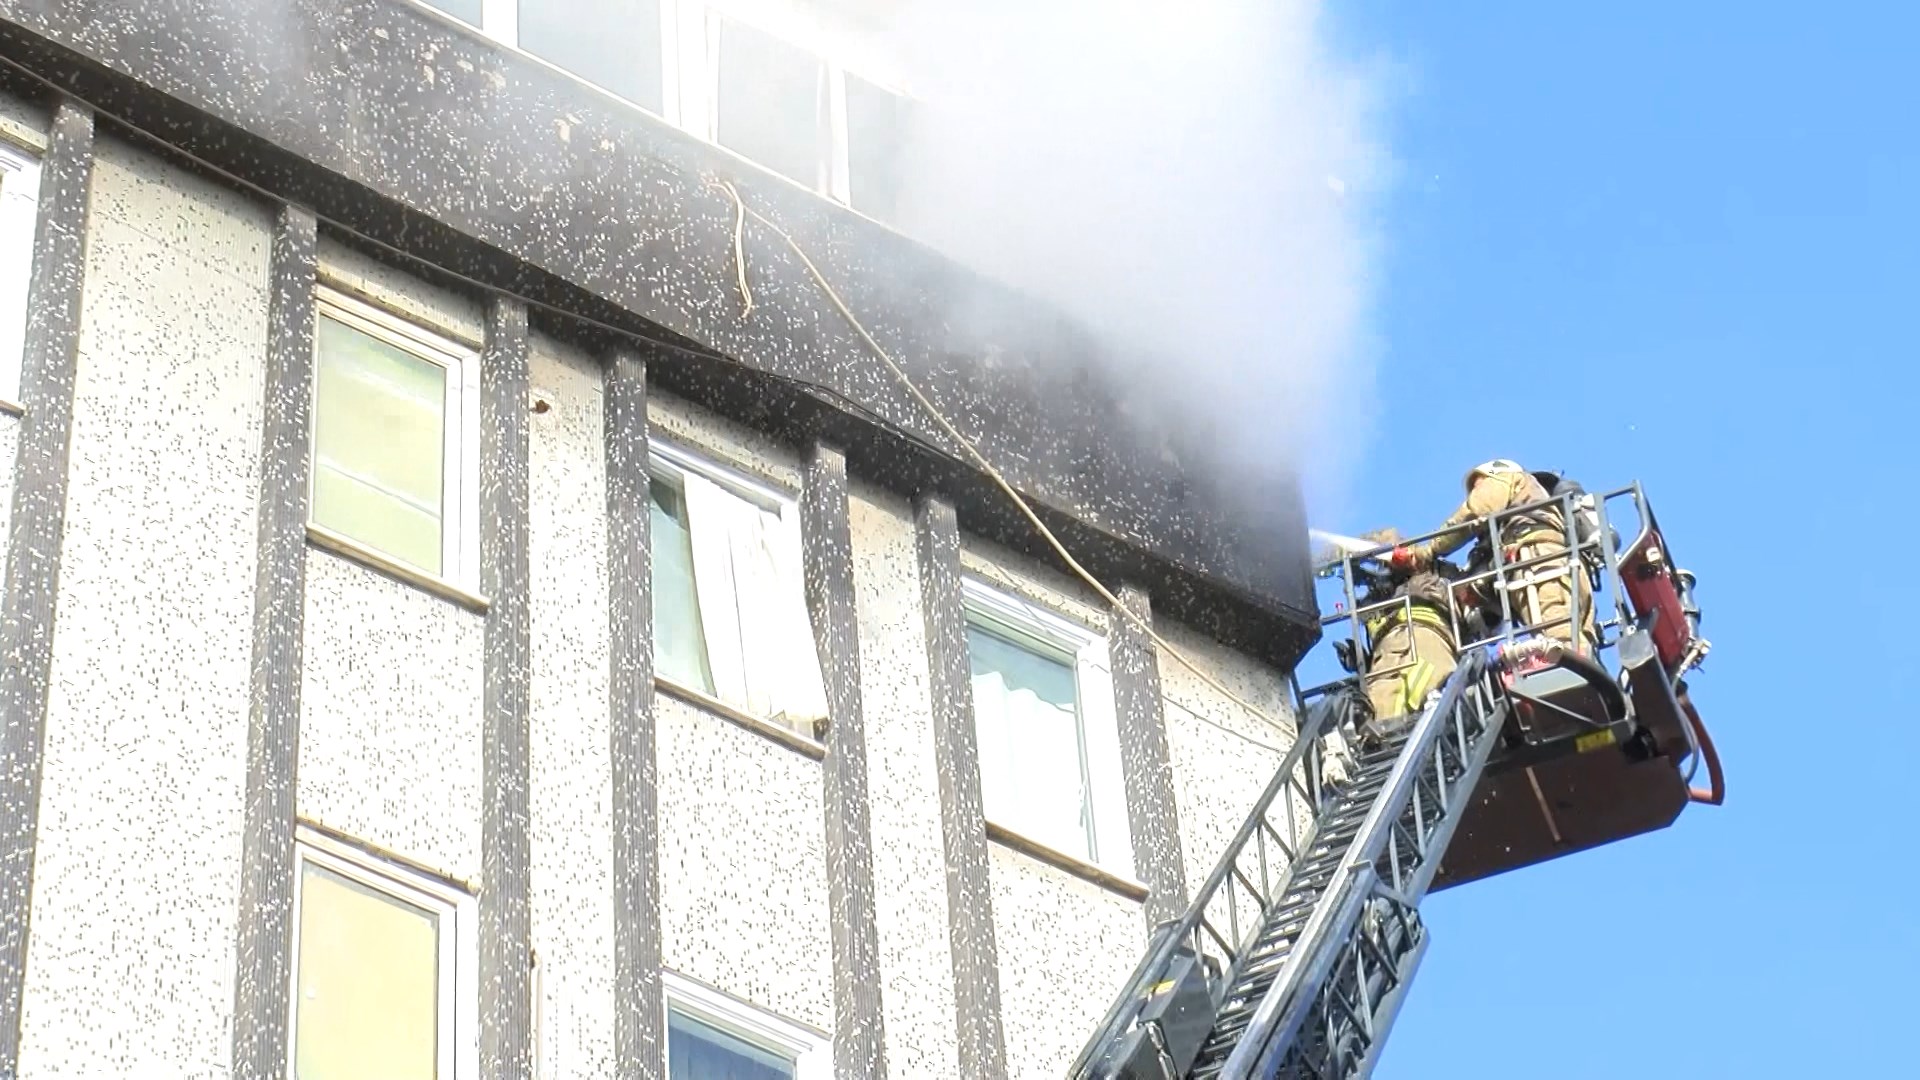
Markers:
(1194, 181)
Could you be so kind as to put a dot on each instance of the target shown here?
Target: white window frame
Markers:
(500, 22)
(1025, 622)
(460, 472)
(671, 461)
(693, 88)
(811, 1050)
(459, 995)
(19, 216)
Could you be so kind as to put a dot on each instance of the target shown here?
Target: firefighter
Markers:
(1542, 593)
(1415, 646)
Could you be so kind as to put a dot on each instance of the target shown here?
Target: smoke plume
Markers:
(1194, 181)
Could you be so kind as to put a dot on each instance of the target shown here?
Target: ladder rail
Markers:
(1293, 779)
(1464, 725)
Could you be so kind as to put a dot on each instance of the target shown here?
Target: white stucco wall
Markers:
(571, 761)
(743, 878)
(130, 962)
(1065, 947)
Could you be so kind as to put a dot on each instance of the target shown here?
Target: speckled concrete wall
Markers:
(141, 811)
(1065, 947)
(9, 449)
(36, 525)
(1222, 755)
(743, 878)
(908, 850)
(404, 777)
(572, 785)
(23, 123)
(264, 937)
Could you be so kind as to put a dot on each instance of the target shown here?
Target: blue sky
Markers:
(1677, 243)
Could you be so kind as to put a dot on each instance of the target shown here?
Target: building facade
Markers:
(475, 608)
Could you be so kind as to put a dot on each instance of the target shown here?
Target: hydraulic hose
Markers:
(1595, 676)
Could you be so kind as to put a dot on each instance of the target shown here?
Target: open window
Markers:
(385, 969)
(729, 603)
(1044, 719)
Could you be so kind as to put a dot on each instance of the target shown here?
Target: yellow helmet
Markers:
(1495, 467)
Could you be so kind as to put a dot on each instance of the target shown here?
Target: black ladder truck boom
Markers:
(1296, 952)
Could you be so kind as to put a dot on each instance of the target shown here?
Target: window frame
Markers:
(1027, 624)
(696, 101)
(460, 440)
(456, 911)
(672, 461)
(19, 169)
(812, 1050)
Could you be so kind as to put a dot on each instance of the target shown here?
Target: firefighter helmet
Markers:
(1491, 468)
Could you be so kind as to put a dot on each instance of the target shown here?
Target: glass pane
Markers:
(770, 102)
(875, 127)
(1032, 763)
(467, 11)
(366, 1003)
(614, 44)
(679, 641)
(699, 1051)
(379, 422)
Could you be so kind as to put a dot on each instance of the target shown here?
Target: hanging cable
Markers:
(980, 461)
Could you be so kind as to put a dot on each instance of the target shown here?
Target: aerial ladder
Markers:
(1296, 952)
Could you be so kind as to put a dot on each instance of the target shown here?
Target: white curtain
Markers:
(713, 520)
(746, 566)
(1031, 762)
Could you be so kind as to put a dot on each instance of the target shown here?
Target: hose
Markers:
(1593, 675)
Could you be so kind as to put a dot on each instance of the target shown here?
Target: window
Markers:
(470, 12)
(1043, 716)
(876, 126)
(19, 208)
(613, 44)
(771, 103)
(617, 45)
(396, 417)
(795, 111)
(729, 608)
(711, 1036)
(384, 973)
